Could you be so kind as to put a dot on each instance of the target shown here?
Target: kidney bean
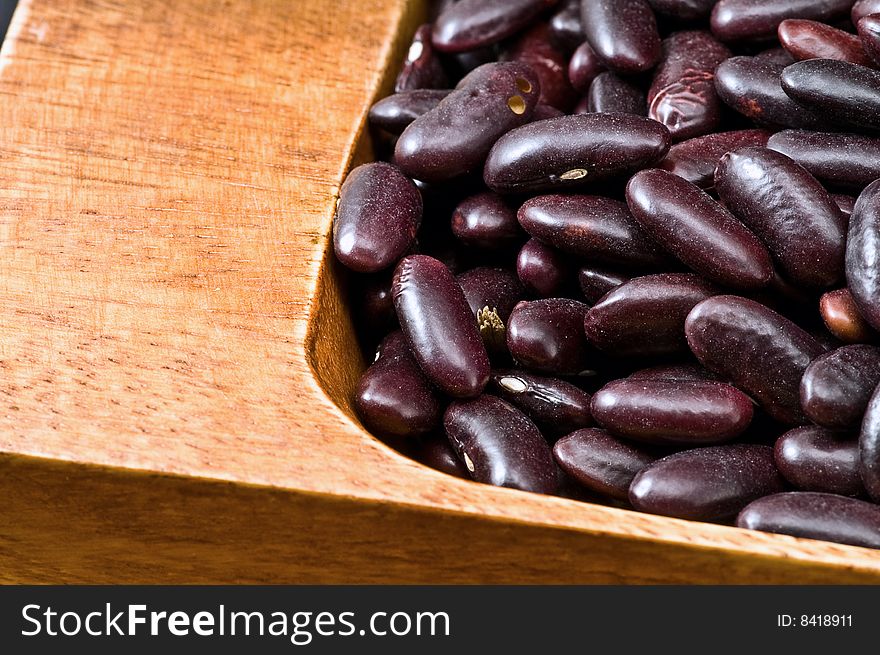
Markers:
(378, 214)
(486, 220)
(789, 210)
(583, 67)
(435, 451)
(422, 69)
(837, 386)
(590, 226)
(812, 458)
(596, 281)
(573, 150)
(735, 20)
(565, 25)
(499, 289)
(542, 270)
(499, 445)
(623, 33)
(684, 10)
(869, 448)
(645, 316)
(394, 113)
(696, 412)
(758, 350)
(843, 319)
(808, 39)
(601, 462)
(707, 483)
(695, 159)
(454, 138)
(864, 8)
(869, 34)
(845, 204)
(548, 336)
(674, 373)
(557, 406)
(535, 49)
(393, 397)
(812, 515)
(863, 244)
(851, 160)
(849, 93)
(611, 93)
(682, 95)
(472, 24)
(439, 326)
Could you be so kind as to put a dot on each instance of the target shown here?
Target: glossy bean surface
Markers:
(422, 69)
(862, 247)
(394, 113)
(543, 270)
(838, 385)
(583, 67)
(495, 289)
(500, 445)
(698, 230)
(557, 406)
(813, 458)
(812, 515)
(869, 33)
(846, 159)
(472, 24)
(869, 448)
(436, 451)
(565, 25)
(695, 160)
(536, 49)
(756, 349)
(707, 483)
(610, 93)
(789, 210)
(843, 318)
(809, 39)
(864, 8)
(623, 33)
(486, 220)
(439, 326)
(735, 20)
(596, 281)
(548, 336)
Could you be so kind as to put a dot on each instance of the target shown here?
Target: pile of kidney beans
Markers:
(630, 250)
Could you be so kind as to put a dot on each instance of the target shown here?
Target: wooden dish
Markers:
(177, 359)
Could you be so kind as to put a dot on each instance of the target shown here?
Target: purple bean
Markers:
(869, 34)
(590, 226)
(851, 160)
(736, 20)
(843, 318)
(565, 26)
(695, 159)
(689, 223)
(436, 451)
(707, 483)
(758, 350)
(645, 316)
(394, 113)
(610, 93)
(377, 217)
(499, 445)
(486, 220)
(422, 68)
(863, 244)
(601, 462)
(535, 49)
(869, 448)
(682, 95)
(454, 138)
(542, 270)
(583, 67)
(557, 406)
(623, 33)
(808, 39)
(845, 204)
(548, 336)
(498, 289)
(812, 458)
(685, 10)
(813, 515)
(837, 386)
(472, 24)
(439, 326)
(789, 210)
(864, 8)
(596, 281)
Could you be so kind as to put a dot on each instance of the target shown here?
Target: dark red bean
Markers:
(583, 67)
(812, 458)
(695, 412)
(707, 483)
(837, 386)
(645, 316)
(843, 319)
(789, 210)
(596, 281)
(851, 160)
(565, 25)
(497, 289)
(849, 93)
(736, 20)
(422, 69)
(393, 397)
(623, 33)
(869, 33)
(695, 159)
(557, 406)
(759, 351)
(674, 373)
(685, 10)
(472, 24)
(499, 445)
(454, 138)
(610, 93)
(689, 223)
(808, 39)
(439, 326)
(590, 226)
(864, 8)
(753, 87)
(548, 336)
(535, 49)
(435, 451)
(869, 448)
(394, 113)
(682, 95)
(542, 270)
(378, 214)
(486, 220)
(811, 515)
(571, 151)
(601, 462)
(863, 244)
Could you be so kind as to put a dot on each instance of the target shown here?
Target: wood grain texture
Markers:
(176, 356)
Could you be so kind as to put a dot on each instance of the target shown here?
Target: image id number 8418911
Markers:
(814, 620)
